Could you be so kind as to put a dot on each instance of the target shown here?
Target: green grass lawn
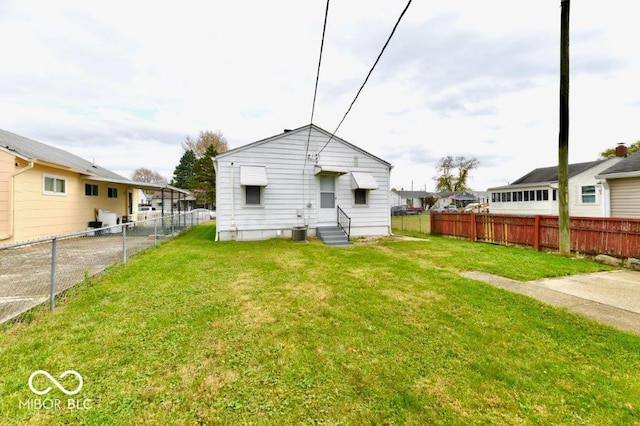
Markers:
(277, 332)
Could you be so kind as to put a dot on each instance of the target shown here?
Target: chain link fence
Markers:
(32, 273)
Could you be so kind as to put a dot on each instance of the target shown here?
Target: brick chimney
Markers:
(621, 150)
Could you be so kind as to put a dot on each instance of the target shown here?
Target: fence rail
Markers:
(33, 272)
(618, 237)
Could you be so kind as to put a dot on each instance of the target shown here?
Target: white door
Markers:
(327, 200)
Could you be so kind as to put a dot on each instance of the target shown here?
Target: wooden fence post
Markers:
(536, 233)
(432, 222)
(474, 230)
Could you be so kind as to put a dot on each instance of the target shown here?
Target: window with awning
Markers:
(253, 176)
(363, 180)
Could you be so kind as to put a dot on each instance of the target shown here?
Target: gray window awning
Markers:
(253, 176)
(363, 180)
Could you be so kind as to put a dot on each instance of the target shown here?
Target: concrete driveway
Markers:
(611, 297)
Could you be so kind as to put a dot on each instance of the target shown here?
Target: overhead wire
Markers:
(313, 104)
(315, 91)
(368, 75)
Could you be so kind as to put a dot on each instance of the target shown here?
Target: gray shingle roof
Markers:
(627, 165)
(550, 174)
(415, 194)
(36, 151)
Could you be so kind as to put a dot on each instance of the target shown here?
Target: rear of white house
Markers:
(300, 178)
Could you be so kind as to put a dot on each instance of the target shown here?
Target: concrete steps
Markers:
(333, 236)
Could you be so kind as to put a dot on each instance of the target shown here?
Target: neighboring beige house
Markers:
(47, 191)
(621, 183)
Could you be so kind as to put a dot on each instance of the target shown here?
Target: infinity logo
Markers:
(55, 382)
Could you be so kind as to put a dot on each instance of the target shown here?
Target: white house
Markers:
(301, 178)
(457, 198)
(536, 193)
(419, 199)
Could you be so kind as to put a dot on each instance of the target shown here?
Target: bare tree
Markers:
(453, 173)
(205, 140)
(148, 176)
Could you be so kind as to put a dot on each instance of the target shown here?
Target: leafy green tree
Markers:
(183, 173)
(453, 173)
(611, 152)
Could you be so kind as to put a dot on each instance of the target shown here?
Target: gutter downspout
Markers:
(606, 198)
(11, 206)
(233, 201)
(215, 169)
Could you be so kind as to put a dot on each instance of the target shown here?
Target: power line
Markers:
(368, 75)
(315, 92)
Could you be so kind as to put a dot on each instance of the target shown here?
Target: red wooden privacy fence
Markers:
(618, 237)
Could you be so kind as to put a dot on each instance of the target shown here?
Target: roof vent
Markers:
(287, 130)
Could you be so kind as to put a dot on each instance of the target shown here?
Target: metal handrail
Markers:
(344, 220)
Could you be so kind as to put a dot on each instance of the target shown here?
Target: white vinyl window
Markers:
(588, 194)
(54, 185)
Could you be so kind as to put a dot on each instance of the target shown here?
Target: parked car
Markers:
(399, 210)
(445, 209)
(476, 208)
(415, 210)
(148, 212)
(204, 214)
(405, 209)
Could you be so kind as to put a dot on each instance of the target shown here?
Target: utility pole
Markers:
(564, 235)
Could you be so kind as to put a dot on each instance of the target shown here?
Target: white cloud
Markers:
(126, 82)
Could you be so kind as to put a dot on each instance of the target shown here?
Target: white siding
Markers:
(625, 197)
(576, 206)
(291, 198)
(544, 207)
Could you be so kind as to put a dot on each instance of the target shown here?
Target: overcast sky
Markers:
(125, 82)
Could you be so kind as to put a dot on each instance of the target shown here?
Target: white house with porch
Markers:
(301, 179)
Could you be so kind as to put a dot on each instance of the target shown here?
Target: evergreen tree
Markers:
(204, 178)
(183, 174)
